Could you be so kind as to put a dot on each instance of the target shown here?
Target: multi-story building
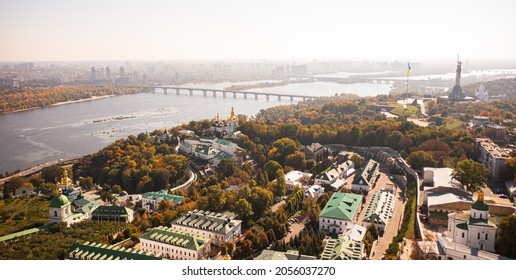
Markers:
(335, 177)
(366, 177)
(340, 212)
(296, 179)
(379, 210)
(151, 200)
(217, 227)
(174, 244)
(314, 151)
(106, 213)
(491, 156)
(99, 251)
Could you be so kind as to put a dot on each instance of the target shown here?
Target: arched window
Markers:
(55, 213)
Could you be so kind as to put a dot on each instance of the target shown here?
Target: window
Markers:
(463, 235)
(55, 213)
(478, 236)
(474, 214)
(480, 215)
(486, 236)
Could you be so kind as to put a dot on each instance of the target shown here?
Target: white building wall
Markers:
(169, 251)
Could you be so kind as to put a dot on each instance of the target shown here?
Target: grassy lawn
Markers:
(22, 213)
(400, 111)
(452, 123)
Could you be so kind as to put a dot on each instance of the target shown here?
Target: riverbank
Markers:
(269, 84)
(61, 103)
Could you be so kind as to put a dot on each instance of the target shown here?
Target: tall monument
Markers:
(456, 92)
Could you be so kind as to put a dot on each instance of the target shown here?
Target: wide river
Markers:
(42, 135)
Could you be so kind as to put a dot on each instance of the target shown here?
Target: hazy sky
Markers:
(261, 29)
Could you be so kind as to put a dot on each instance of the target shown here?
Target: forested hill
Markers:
(13, 99)
(495, 88)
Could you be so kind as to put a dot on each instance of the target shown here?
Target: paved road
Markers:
(35, 169)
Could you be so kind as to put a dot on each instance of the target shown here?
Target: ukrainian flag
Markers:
(408, 71)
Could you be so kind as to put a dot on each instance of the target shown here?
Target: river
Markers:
(32, 137)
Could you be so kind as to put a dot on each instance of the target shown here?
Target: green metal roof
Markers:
(111, 211)
(364, 176)
(98, 251)
(58, 202)
(163, 195)
(480, 205)
(343, 248)
(174, 237)
(19, 234)
(342, 206)
(224, 142)
(463, 226)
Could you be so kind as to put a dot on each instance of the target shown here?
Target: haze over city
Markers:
(235, 30)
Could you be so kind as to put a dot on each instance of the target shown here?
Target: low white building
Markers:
(343, 248)
(225, 146)
(174, 244)
(355, 232)
(205, 152)
(296, 179)
(217, 227)
(335, 177)
(151, 200)
(340, 212)
(379, 210)
(314, 191)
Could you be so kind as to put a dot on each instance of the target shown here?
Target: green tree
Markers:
(226, 168)
(86, 183)
(420, 159)
(505, 241)
(243, 208)
(357, 160)
(471, 174)
(296, 160)
(271, 167)
(11, 186)
(282, 148)
(52, 173)
(261, 199)
(280, 186)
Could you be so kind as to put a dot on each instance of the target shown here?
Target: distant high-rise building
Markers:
(122, 72)
(93, 74)
(108, 73)
(136, 77)
(482, 93)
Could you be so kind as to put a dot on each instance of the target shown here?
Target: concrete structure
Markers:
(314, 151)
(99, 251)
(491, 156)
(443, 195)
(151, 200)
(340, 212)
(366, 177)
(174, 244)
(297, 179)
(379, 210)
(112, 214)
(479, 121)
(233, 92)
(270, 255)
(217, 227)
(511, 189)
(343, 248)
(482, 93)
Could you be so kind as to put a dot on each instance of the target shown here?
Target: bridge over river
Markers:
(224, 93)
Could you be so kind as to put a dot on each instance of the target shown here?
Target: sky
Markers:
(64, 30)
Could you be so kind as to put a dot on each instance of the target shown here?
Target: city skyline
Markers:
(231, 30)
